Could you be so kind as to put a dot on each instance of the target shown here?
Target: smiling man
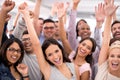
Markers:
(30, 58)
(115, 29)
(48, 30)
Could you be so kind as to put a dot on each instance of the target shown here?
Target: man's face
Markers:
(116, 30)
(49, 29)
(27, 43)
(84, 30)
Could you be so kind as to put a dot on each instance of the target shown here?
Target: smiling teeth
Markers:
(82, 51)
(56, 60)
(14, 57)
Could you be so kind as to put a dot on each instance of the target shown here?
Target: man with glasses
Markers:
(30, 58)
(48, 30)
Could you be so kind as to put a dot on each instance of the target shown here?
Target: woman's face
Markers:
(85, 48)
(114, 59)
(13, 53)
(54, 54)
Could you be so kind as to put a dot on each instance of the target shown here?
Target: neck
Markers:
(79, 60)
(61, 66)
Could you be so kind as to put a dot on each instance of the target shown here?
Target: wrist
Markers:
(99, 24)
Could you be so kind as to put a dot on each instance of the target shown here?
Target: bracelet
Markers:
(25, 76)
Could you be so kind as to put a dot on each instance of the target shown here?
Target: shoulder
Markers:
(85, 67)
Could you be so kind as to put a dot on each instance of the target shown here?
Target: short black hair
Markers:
(41, 18)
(48, 20)
(25, 32)
(115, 22)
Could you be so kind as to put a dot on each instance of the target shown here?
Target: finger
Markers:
(112, 2)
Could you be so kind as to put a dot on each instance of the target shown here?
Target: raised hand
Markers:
(8, 5)
(110, 8)
(107, 1)
(23, 69)
(23, 8)
(75, 4)
(61, 10)
(99, 13)
(54, 9)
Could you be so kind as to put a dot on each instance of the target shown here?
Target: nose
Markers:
(15, 52)
(84, 48)
(55, 55)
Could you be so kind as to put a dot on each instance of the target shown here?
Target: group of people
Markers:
(39, 49)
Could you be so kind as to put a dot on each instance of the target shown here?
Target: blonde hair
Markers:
(115, 44)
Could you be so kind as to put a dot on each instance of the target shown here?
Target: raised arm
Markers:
(100, 17)
(20, 26)
(16, 19)
(61, 12)
(36, 13)
(44, 66)
(7, 6)
(72, 26)
(109, 11)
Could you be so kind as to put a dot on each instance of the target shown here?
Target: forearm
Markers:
(64, 37)
(3, 15)
(106, 39)
(72, 30)
(98, 36)
(19, 29)
(37, 10)
(35, 42)
(16, 19)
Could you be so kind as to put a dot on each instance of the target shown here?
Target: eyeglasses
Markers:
(14, 50)
(26, 39)
(46, 28)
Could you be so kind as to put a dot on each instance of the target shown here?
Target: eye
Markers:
(118, 56)
(82, 28)
(88, 28)
(83, 44)
(50, 54)
(118, 27)
(19, 51)
(112, 56)
(11, 49)
(88, 47)
(56, 51)
(114, 29)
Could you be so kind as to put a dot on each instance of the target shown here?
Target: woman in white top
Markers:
(109, 58)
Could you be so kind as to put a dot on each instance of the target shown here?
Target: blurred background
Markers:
(86, 9)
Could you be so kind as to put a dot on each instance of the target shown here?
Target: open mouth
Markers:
(57, 60)
(114, 64)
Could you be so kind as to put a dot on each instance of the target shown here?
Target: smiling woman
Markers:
(109, 58)
(11, 55)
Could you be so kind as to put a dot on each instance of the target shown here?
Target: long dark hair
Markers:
(47, 43)
(88, 58)
(3, 50)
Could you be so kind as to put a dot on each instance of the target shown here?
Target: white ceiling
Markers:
(85, 8)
